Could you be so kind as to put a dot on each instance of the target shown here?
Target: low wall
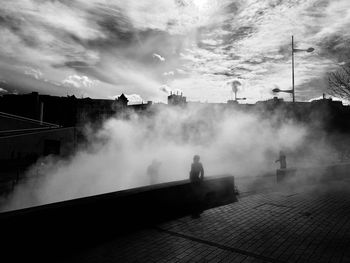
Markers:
(64, 226)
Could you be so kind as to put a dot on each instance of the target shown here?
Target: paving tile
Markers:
(278, 226)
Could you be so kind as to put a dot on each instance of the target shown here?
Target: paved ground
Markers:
(280, 225)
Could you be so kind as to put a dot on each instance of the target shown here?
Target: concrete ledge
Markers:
(69, 225)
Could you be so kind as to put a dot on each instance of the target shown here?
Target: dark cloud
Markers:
(211, 41)
(237, 33)
(227, 74)
(75, 64)
(335, 46)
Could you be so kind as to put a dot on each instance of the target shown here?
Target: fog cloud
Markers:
(228, 141)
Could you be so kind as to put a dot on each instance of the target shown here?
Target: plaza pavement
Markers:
(276, 224)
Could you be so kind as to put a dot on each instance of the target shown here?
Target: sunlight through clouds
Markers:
(140, 47)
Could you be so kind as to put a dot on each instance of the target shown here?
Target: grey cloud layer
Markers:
(204, 44)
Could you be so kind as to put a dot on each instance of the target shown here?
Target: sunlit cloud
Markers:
(36, 73)
(193, 45)
(79, 81)
(159, 57)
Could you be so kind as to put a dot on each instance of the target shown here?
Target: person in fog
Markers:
(196, 177)
(197, 171)
(153, 171)
(282, 160)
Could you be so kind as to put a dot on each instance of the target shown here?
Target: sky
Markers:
(145, 49)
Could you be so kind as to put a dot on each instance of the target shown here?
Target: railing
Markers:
(17, 117)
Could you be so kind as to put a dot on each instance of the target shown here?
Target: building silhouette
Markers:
(121, 101)
(176, 99)
(66, 111)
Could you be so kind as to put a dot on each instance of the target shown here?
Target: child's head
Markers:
(196, 158)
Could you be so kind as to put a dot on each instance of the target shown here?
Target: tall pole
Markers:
(293, 91)
(41, 112)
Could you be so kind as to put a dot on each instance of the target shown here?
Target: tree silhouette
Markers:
(339, 82)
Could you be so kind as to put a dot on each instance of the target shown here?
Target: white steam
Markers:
(228, 141)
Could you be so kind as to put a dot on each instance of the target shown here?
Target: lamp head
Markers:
(309, 50)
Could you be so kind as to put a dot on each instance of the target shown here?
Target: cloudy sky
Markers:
(101, 48)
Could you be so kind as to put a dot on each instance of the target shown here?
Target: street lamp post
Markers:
(309, 50)
(235, 85)
(237, 98)
(293, 88)
(292, 91)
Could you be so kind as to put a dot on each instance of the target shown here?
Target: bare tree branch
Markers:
(339, 82)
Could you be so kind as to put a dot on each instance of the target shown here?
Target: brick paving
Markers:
(300, 225)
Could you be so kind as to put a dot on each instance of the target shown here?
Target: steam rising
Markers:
(118, 155)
